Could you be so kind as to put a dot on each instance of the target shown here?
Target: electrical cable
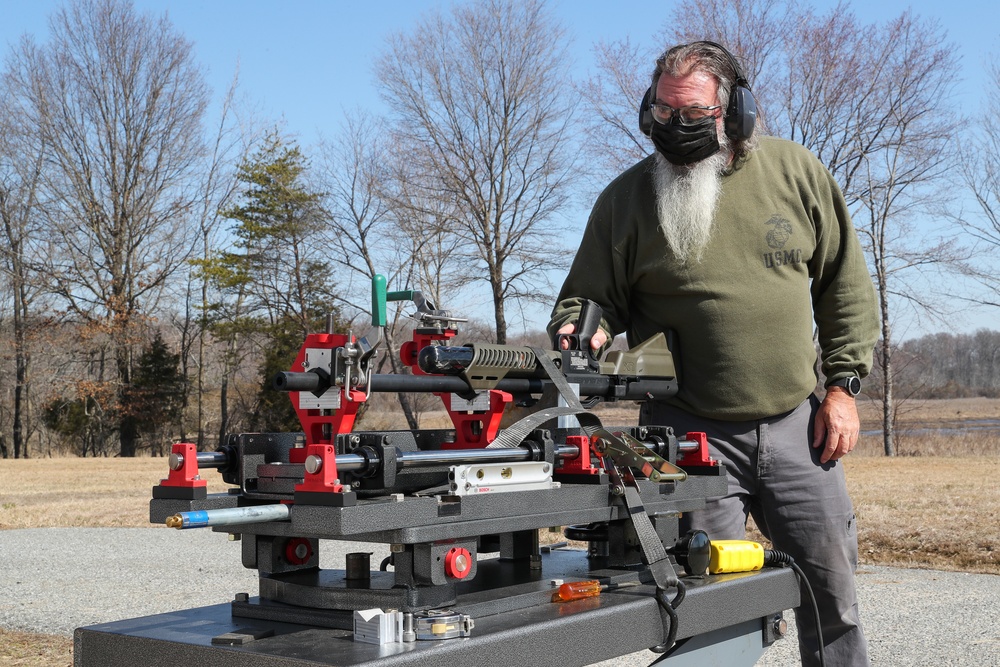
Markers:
(774, 557)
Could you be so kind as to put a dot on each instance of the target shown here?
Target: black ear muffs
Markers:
(646, 113)
(741, 112)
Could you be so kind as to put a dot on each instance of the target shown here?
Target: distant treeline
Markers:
(950, 365)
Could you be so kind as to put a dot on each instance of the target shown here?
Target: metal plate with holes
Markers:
(500, 477)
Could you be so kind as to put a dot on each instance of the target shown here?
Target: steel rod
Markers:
(228, 516)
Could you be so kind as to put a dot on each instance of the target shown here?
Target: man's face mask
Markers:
(685, 144)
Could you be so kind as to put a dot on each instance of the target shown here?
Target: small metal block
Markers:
(241, 636)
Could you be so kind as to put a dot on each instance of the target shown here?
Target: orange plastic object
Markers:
(577, 590)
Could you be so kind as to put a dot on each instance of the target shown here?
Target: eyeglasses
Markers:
(688, 115)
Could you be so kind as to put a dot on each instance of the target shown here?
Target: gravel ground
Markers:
(53, 580)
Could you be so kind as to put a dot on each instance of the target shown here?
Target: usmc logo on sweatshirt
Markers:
(778, 235)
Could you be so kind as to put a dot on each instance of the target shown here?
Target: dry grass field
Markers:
(935, 505)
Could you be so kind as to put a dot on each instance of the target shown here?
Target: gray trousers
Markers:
(802, 506)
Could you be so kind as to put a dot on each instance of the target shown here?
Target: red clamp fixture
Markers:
(699, 456)
(584, 463)
(321, 486)
(183, 482)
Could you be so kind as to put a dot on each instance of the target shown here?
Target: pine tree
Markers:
(156, 396)
(275, 283)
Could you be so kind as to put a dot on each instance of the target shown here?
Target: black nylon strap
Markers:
(660, 566)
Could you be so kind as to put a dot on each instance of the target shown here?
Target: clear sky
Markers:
(307, 61)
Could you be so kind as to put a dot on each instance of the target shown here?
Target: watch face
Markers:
(853, 386)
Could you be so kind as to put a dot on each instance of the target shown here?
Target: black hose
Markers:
(780, 558)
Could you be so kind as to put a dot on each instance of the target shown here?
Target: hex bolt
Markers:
(408, 633)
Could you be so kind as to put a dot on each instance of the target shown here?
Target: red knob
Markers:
(458, 563)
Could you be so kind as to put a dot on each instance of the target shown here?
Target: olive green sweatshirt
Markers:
(783, 254)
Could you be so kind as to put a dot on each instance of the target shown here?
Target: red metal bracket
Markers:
(186, 475)
(320, 427)
(183, 481)
(476, 429)
(696, 457)
(323, 479)
(585, 463)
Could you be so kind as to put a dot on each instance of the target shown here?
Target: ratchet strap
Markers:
(623, 482)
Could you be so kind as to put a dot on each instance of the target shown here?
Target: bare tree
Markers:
(901, 157)
(231, 140)
(21, 155)
(478, 102)
(117, 101)
(377, 229)
(613, 140)
(981, 172)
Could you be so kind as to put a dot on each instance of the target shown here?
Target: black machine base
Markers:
(515, 623)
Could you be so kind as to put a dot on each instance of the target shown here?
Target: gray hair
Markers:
(715, 61)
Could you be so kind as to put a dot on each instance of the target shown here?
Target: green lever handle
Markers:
(405, 295)
(378, 300)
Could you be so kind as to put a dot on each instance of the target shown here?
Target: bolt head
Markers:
(313, 464)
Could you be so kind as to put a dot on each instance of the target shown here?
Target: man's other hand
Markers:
(837, 425)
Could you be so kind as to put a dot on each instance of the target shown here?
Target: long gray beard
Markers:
(686, 199)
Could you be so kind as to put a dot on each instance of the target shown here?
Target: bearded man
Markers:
(736, 245)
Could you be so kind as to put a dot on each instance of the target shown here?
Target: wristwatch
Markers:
(852, 383)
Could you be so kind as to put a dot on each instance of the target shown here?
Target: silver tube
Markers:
(205, 460)
(228, 516)
(426, 458)
(212, 460)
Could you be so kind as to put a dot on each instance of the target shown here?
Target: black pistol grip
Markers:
(587, 325)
